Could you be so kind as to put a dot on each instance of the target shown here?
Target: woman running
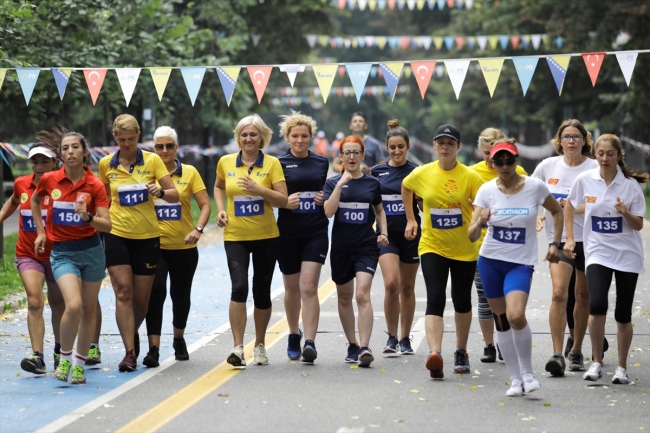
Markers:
(179, 255)
(446, 187)
(78, 209)
(254, 184)
(614, 207)
(399, 260)
(354, 199)
(508, 205)
(133, 245)
(303, 232)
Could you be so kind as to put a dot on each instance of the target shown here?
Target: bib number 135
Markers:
(607, 225)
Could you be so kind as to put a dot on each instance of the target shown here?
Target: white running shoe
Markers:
(260, 355)
(620, 376)
(594, 373)
(530, 383)
(515, 389)
(236, 357)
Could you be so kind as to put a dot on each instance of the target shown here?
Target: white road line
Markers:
(418, 334)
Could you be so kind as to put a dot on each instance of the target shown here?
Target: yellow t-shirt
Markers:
(250, 217)
(132, 208)
(447, 212)
(175, 219)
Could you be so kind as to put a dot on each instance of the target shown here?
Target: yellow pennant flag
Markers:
(438, 41)
(491, 69)
(381, 41)
(355, 43)
(372, 4)
(421, 4)
(408, 71)
(3, 72)
(323, 40)
(160, 77)
(325, 75)
(493, 40)
(545, 40)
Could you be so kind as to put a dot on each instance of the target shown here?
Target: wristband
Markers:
(90, 218)
(558, 245)
(162, 193)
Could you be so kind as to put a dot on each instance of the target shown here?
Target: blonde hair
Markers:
(257, 122)
(296, 118)
(490, 136)
(125, 122)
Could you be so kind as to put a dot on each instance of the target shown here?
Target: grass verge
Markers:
(10, 281)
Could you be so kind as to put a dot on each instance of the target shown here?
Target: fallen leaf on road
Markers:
(382, 371)
(422, 399)
(501, 404)
(397, 381)
(636, 364)
(398, 420)
(223, 395)
(546, 404)
(415, 391)
(354, 367)
(305, 374)
(106, 405)
(473, 388)
(19, 374)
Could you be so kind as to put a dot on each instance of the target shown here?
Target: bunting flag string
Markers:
(401, 5)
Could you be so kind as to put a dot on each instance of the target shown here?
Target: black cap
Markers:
(447, 130)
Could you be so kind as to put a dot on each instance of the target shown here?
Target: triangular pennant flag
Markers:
(342, 4)
(391, 4)
(392, 73)
(351, 5)
(423, 71)
(372, 4)
(362, 4)
(291, 71)
(469, 3)
(27, 78)
(323, 40)
(559, 41)
(421, 4)
(493, 40)
(381, 4)
(61, 78)
(545, 40)
(228, 76)
(525, 67)
(407, 71)
(95, 81)
(449, 42)
(311, 40)
(525, 40)
(514, 40)
(358, 73)
(440, 71)
(431, 3)
(193, 77)
(373, 71)
(325, 75)
(627, 61)
(259, 76)
(482, 41)
(341, 71)
(381, 41)
(400, 4)
(128, 78)
(593, 62)
(3, 73)
(491, 69)
(503, 41)
(450, 3)
(405, 42)
(457, 71)
(410, 4)
(471, 42)
(536, 39)
(255, 37)
(425, 41)
(370, 41)
(460, 41)
(160, 77)
(438, 41)
(559, 66)
(441, 4)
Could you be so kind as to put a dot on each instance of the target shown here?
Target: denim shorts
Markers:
(84, 258)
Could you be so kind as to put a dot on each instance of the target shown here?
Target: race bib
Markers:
(167, 211)
(131, 195)
(27, 220)
(353, 213)
(248, 205)
(64, 214)
(446, 219)
(509, 235)
(307, 203)
(610, 225)
(393, 204)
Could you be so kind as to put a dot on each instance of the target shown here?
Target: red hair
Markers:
(350, 139)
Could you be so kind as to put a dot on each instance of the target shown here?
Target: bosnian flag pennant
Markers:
(128, 78)
(3, 73)
(392, 72)
(482, 41)
(95, 81)
(423, 72)
(61, 78)
(358, 73)
(593, 62)
(559, 66)
(228, 77)
(291, 71)
(627, 61)
(525, 67)
(525, 40)
(491, 69)
(325, 75)
(471, 41)
(457, 71)
(259, 76)
(160, 77)
(193, 77)
(27, 78)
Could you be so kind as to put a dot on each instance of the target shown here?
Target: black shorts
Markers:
(405, 249)
(579, 261)
(346, 264)
(292, 252)
(141, 254)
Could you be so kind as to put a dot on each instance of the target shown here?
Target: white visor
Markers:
(43, 151)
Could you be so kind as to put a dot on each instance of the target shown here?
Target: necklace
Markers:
(515, 190)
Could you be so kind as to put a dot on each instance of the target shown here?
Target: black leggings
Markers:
(265, 253)
(599, 278)
(435, 269)
(180, 266)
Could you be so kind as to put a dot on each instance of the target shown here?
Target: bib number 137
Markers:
(510, 235)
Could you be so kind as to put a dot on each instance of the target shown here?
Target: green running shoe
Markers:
(33, 364)
(63, 370)
(57, 359)
(78, 376)
(94, 356)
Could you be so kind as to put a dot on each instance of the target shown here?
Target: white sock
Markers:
(509, 353)
(66, 356)
(524, 343)
(78, 360)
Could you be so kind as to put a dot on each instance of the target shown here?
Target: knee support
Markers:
(501, 322)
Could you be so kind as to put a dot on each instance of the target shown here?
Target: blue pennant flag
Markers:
(441, 4)
(525, 67)
(559, 66)
(193, 77)
(373, 71)
(559, 41)
(359, 73)
(228, 77)
(503, 41)
(381, 4)
(61, 78)
(392, 72)
(27, 78)
(449, 42)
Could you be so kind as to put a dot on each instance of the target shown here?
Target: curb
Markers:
(13, 302)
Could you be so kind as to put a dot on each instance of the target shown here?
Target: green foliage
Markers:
(10, 281)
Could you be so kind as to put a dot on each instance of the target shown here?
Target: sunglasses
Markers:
(168, 146)
(502, 162)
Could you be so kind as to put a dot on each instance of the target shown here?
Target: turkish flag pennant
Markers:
(593, 62)
(95, 80)
(423, 72)
(259, 76)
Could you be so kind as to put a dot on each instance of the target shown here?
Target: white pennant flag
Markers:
(536, 39)
(425, 41)
(410, 4)
(362, 4)
(627, 61)
(457, 70)
(469, 3)
(347, 42)
(440, 71)
(128, 79)
(370, 41)
(482, 41)
(291, 71)
(311, 40)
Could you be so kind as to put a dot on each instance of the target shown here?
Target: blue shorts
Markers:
(500, 278)
(292, 252)
(84, 258)
(346, 264)
(399, 245)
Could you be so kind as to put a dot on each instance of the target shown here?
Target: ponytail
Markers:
(616, 144)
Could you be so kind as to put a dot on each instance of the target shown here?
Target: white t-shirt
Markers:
(511, 234)
(559, 177)
(608, 239)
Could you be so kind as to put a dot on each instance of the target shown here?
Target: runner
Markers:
(614, 207)
(303, 232)
(373, 152)
(351, 198)
(79, 208)
(179, 255)
(399, 260)
(254, 184)
(35, 268)
(446, 187)
(508, 204)
(485, 169)
(133, 245)
(573, 145)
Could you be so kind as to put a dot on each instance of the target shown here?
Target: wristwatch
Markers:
(199, 229)
(557, 244)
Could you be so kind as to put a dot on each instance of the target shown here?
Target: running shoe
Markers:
(391, 344)
(461, 362)
(489, 354)
(434, 365)
(129, 362)
(620, 376)
(568, 347)
(63, 370)
(151, 360)
(605, 348)
(556, 365)
(136, 345)
(94, 356)
(236, 357)
(33, 364)
(57, 359)
(293, 346)
(78, 376)
(576, 361)
(260, 357)
(405, 347)
(530, 383)
(365, 357)
(353, 353)
(515, 389)
(180, 349)
(309, 353)
(594, 373)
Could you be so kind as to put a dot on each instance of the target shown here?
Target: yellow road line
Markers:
(173, 406)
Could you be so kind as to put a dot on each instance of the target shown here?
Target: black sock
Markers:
(57, 347)
(40, 355)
